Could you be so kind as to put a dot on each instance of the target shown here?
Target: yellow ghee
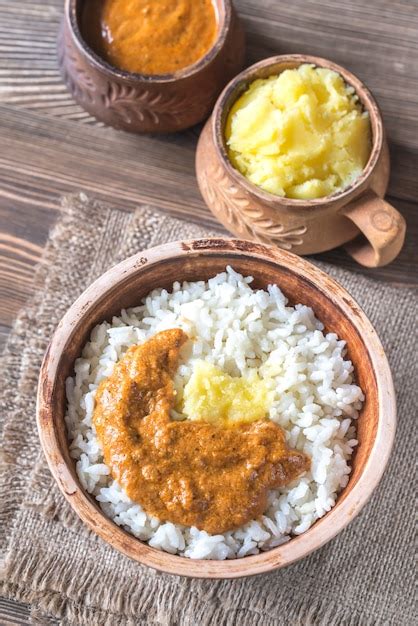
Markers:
(301, 134)
(214, 396)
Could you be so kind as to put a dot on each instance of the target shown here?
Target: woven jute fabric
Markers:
(50, 559)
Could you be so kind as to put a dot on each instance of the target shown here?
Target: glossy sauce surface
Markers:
(192, 473)
(150, 36)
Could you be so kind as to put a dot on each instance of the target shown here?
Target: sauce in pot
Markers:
(187, 472)
(150, 36)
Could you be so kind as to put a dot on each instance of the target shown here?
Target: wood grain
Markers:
(18, 614)
(13, 613)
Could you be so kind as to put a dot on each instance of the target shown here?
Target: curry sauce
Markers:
(193, 473)
(150, 36)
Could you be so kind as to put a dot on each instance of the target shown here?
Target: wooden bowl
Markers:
(149, 103)
(123, 286)
(302, 226)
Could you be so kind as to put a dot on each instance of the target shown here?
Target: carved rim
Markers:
(240, 214)
(323, 530)
(278, 64)
(224, 21)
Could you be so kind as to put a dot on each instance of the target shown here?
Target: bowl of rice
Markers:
(259, 318)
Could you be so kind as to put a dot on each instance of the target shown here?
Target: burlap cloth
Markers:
(364, 576)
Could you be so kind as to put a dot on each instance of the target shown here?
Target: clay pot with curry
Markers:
(149, 66)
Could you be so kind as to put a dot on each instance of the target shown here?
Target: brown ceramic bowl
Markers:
(147, 103)
(123, 286)
(302, 226)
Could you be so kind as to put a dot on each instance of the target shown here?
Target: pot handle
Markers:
(382, 226)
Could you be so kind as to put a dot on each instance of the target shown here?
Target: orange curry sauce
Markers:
(192, 473)
(150, 36)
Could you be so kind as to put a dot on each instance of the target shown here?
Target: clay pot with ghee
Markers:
(357, 215)
(148, 102)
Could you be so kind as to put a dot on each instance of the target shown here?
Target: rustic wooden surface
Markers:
(49, 146)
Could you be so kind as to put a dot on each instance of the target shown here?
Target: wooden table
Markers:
(50, 146)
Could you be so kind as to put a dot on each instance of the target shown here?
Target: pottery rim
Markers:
(73, 8)
(238, 85)
(84, 313)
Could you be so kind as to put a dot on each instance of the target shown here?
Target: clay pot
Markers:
(125, 285)
(302, 226)
(147, 103)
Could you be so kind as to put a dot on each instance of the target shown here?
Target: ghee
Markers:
(150, 36)
(214, 396)
(301, 134)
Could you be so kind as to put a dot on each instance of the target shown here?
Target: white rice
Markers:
(236, 328)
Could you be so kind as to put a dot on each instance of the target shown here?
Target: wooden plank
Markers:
(29, 76)
(40, 153)
(18, 258)
(12, 613)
